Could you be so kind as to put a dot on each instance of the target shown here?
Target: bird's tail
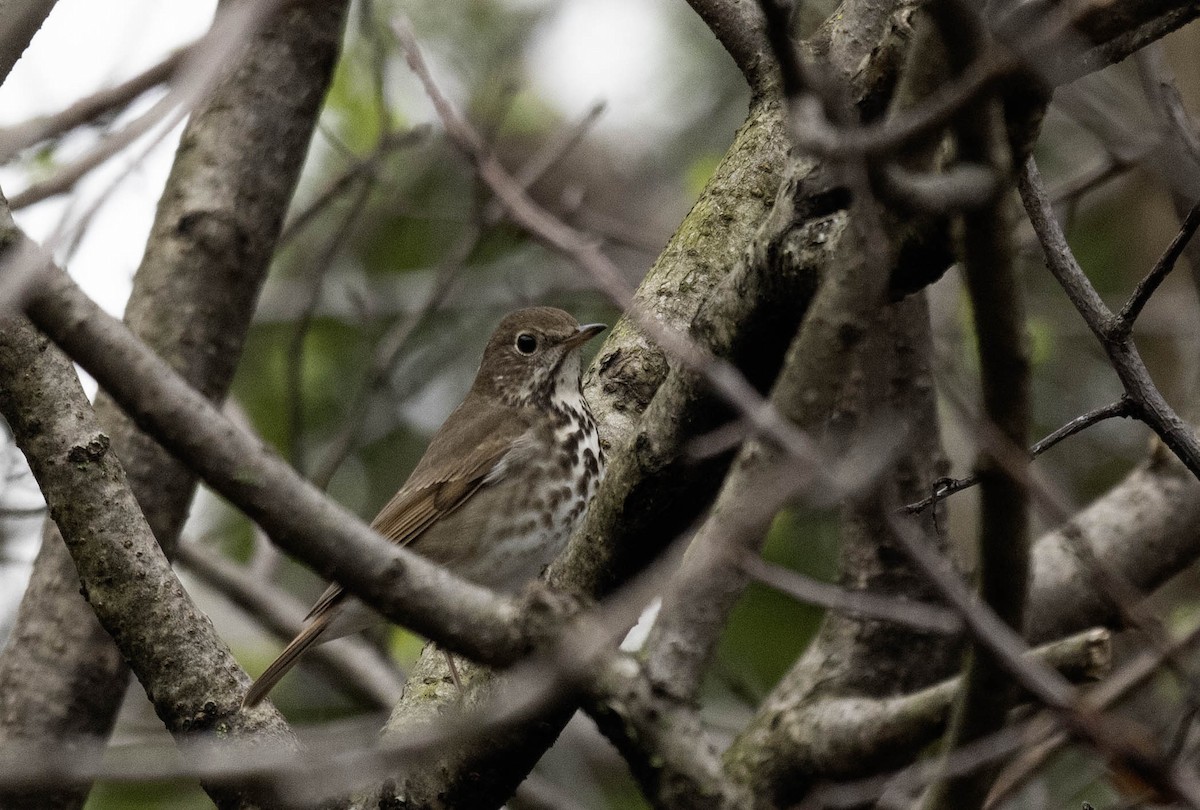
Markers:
(286, 660)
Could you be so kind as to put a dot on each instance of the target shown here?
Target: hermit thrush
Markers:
(503, 482)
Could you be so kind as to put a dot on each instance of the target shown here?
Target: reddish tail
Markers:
(286, 660)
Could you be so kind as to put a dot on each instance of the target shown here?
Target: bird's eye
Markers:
(526, 343)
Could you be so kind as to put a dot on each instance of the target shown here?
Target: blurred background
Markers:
(395, 265)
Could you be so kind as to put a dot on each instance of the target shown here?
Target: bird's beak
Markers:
(585, 333)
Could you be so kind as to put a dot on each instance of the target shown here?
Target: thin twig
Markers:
(365, 167)
(103, 103)
(1139, 386)
(860, 603)
(202, 67)
(1162, 268)
(1123, 408)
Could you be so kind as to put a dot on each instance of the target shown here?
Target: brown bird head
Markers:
(533, 357)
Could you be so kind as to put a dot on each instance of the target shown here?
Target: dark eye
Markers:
(526, 343)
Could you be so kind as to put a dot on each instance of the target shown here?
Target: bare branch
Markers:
(1122, 408)
(858, 603)
(203, 66)
(1123, 324)
(1139, 387)
(21, 136)
(838, 734)
(213, 236)
(124, 574)
(1045, 685)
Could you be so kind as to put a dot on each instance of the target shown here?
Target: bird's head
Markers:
(533, 356)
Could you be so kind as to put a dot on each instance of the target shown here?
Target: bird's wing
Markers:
(467, 453)
(460, 459)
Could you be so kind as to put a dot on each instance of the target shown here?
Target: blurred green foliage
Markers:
(152, 796)
(768, 629)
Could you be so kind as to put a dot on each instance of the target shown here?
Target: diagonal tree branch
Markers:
(101, 104)
(125, 576)
(22, 19)
(193, 295)
(1116, 342)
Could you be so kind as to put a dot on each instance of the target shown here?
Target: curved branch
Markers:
(738, 26)
(839, 735)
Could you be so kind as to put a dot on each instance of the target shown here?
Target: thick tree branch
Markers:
(889, 376)
(835, 736)
(188, 672)
(1147, 527)
(704, 590)
(214, 233)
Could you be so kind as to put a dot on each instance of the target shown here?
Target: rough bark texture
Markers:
(210, 247)
(189, 674)
(1147, 527)
(852, 657)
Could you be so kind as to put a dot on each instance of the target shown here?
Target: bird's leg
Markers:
(453, 671)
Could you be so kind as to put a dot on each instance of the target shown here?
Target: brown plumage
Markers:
(503, 481)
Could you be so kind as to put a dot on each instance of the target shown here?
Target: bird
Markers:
(502, 484)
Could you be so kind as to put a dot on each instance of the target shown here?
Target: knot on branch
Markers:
(215, 232)
(630, 378)
(92, 452)
(545, 609)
